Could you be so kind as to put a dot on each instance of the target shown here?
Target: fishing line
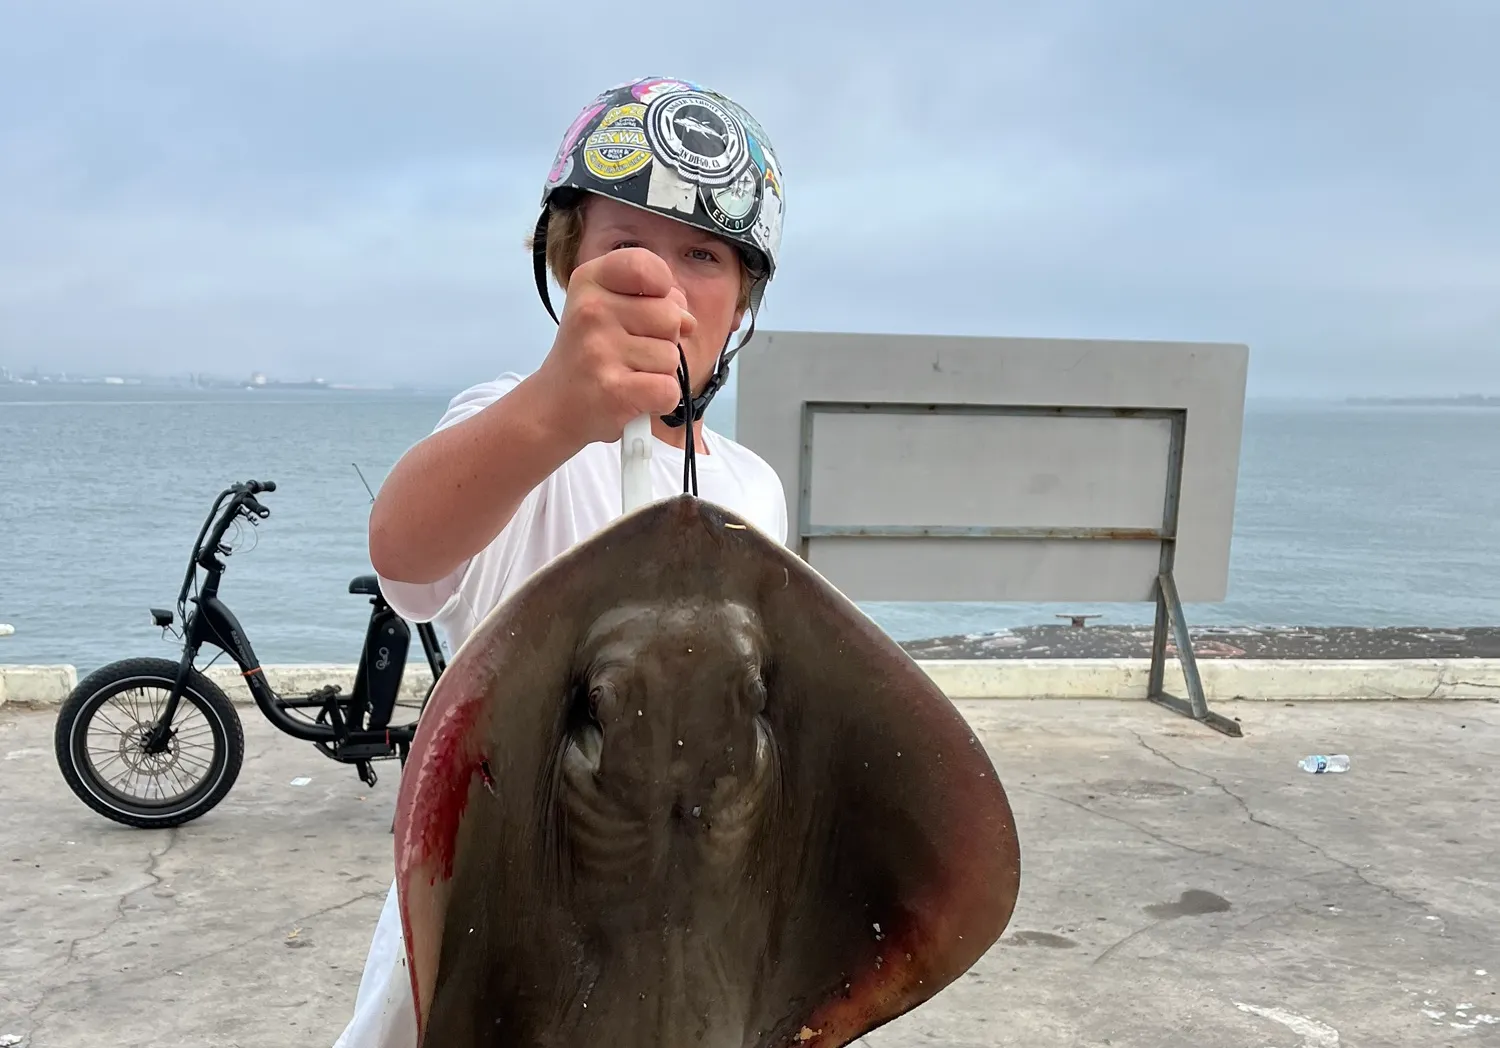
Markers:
(689, 457)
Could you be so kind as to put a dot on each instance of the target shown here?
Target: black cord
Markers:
(689, 458)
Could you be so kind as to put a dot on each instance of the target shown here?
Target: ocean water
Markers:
(1346, 515)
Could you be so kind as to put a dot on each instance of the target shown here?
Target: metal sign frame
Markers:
(1169, 612)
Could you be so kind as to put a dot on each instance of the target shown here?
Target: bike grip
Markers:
(635, 463)
(255, 507)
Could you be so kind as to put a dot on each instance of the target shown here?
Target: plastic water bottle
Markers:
(1323, 764)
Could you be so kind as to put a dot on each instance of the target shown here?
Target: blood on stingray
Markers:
(679, 790)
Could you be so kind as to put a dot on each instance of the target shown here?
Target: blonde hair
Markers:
(565, 236)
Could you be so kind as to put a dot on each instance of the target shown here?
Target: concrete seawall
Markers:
(1269, 680)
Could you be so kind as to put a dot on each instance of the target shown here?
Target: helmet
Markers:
(683, 151)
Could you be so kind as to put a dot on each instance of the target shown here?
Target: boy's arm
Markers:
(452, 493)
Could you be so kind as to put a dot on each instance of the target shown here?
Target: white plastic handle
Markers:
(635, 463)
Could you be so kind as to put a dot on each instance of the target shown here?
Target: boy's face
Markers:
(706, 270)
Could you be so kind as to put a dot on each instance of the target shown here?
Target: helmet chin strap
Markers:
(679, 417)
(721, 373)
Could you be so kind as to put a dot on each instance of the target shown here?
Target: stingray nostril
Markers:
(485, 776)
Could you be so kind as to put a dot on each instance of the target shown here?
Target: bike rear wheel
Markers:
(119, 779)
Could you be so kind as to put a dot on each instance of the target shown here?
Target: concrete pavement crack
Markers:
(1149, 833)
(151, 864)
(361, 897)
(1443, 682)
(1310, 845)
(92, 981)
(1116, 945)
(1295, 904)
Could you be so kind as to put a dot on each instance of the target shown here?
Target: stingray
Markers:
(678, 790)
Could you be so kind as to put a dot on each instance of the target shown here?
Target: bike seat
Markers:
(365, 585)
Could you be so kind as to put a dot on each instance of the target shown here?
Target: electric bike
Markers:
(173, 741)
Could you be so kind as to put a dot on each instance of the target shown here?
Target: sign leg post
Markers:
(1169, 611)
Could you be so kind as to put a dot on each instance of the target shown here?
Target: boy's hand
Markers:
(615, 354)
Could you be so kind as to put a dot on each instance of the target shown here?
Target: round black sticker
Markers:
(698, 137)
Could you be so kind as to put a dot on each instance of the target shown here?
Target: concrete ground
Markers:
(1179, 888)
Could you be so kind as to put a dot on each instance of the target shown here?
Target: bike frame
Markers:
(212, 623)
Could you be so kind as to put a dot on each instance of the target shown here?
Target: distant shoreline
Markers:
(146, 392)
(1467, 400)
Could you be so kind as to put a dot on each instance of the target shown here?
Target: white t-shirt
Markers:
(580, 498)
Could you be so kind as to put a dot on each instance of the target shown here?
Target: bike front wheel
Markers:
(100, 744)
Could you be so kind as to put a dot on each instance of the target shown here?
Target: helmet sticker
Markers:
(734, 207)
(697, 136)
(648, 90)
(617, 148)
(750, 124)
(561, 164)
(668, 191)
(767, 228)
(767, 231)
(757, 155)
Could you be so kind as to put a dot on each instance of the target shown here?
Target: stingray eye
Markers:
(601, 699)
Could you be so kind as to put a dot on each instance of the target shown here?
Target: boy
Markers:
(661, 216)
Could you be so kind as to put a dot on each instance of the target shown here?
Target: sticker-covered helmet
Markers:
(683, 151)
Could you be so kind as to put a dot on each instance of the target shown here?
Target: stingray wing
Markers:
(908, 867)
(890, 862)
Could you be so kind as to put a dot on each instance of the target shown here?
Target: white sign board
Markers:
(925, 468)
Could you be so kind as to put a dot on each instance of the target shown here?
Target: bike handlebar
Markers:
(205, 553)
(247, 492)
(244, 500)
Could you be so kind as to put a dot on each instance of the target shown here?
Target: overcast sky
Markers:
(341, 188)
